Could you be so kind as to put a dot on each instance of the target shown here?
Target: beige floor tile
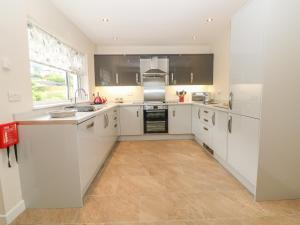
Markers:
(166, 183)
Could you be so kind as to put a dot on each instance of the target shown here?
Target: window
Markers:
(56, 69)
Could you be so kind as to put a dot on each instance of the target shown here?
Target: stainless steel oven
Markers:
(155, 119)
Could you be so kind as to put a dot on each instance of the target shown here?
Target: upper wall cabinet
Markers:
(117, 70)
(191, 69)
(124, 70)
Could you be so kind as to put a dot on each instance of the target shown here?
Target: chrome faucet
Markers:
(77, 92)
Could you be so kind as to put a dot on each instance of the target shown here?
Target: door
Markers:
(196, 121)
(247, 58)
(131, 120)
(105, 70)
(179, 70)
(128, 70)
(180, 119)
(88, 152)
(202, 69)
(243, 146)
(219, 134)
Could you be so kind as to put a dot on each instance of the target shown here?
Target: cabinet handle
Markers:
(174, 113)
(137, 78)
(213, 119)
(205, 111)
(199, 114)
(206, 120)
(230, 100)
(205, 128)
(230, 124)
(117, 78)
(137, 114)
(105, 121)
(115, 118)
(115, 125)
(90, 125)
(192, 78)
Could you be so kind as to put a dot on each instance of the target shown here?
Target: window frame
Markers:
(69, 97)
(79, 75)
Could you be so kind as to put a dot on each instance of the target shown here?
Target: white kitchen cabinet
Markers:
(243, 146)
(246, 54)
(219, 134)
(89, 153)
(180, 119)
(59, 161)
(131, 120)
(196, 122)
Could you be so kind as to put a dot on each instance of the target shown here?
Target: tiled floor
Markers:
(167, 183)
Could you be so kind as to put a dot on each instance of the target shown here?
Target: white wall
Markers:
(14, 49)
(155, 49)
(221, 49)
(136, 93)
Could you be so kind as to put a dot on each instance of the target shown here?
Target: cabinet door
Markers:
(89, 152)
(243, 146)
(196, 123)
(105, 70)
(180, 70)
(180, 119)
(131, 120)
(247, 58)
(202, 69)
(219, 134)
(128, 70)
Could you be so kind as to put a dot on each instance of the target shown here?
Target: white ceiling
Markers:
(150, 22)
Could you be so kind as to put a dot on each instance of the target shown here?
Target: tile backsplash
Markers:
(136, 93)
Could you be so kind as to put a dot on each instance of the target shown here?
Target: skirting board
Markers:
(12, 214)
(156, 137)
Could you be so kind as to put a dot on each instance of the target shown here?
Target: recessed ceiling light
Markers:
(104, 20)
(116, 38)
(209, 20)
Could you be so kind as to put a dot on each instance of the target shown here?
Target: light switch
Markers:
(14, 96)
(6, 64)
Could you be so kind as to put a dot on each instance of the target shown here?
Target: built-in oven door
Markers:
(156, 121)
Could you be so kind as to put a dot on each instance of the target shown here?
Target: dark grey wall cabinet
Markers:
(117, 70)
(124, 70)
(191, 69)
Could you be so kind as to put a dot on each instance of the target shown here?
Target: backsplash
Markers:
(136, 94)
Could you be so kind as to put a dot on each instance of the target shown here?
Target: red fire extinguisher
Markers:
(9, 137)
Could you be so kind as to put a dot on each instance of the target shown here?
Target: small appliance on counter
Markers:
(204, 97)
(181, 95)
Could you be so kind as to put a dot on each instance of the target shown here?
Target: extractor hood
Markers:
(155, 64)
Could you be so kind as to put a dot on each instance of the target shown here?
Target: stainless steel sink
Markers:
(85, 108)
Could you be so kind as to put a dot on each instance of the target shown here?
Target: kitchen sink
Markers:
(85, 108)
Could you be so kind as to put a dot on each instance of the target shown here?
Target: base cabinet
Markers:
(243, 146)
(58, 162)
(196, 121)
(131, 120)
(219, 134)
(180, 118)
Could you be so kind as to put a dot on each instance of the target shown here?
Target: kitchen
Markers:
(192, 127)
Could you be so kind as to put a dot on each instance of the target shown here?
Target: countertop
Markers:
(83, 116)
